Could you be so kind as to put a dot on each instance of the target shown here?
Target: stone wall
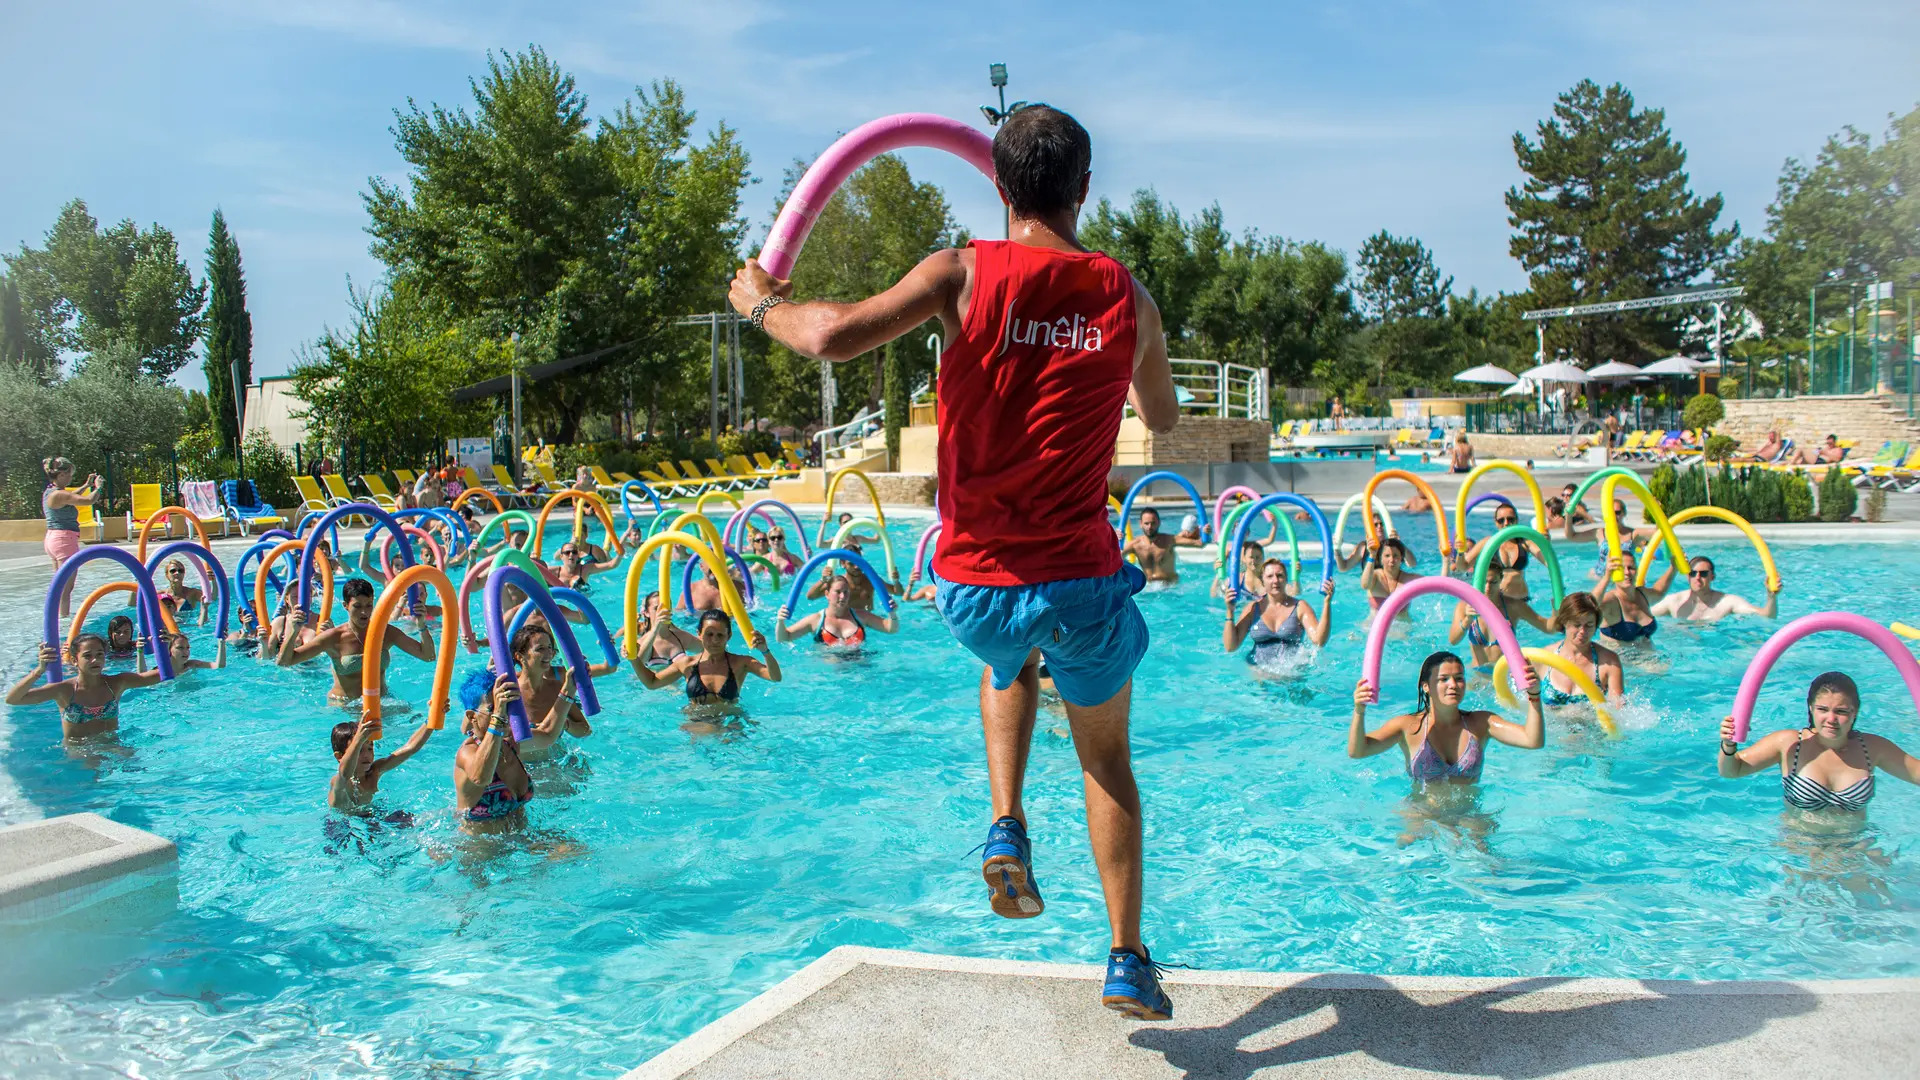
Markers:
(898, 489)
(1194, 440)
(1487, 446)
(1869, 419)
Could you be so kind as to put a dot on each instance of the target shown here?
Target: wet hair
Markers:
(1428, 668)
(1556, 505)
(54, 466)
(1394, 543)
(1040, 156)
(74, 648)
(1837, 682)
(1710, 568)
(523, 640)
(715, 615)
(1145, 510)
(654, 596)
(1576, 606)
(122, 622)
(1252, 545)
(356, 588)
(343, 736)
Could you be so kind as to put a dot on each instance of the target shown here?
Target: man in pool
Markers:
(1153, 549)
(1701, 602)
(345, 645)
(1048, 344)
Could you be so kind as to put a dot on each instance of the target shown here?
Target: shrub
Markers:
(1689, 489)
(1720, 447)
(1766, 499)
(1837, 496)
(1703, 412)
(270, 468)
(1796, 496)
(1730, 493)
(1876, 508)
(1662, 482)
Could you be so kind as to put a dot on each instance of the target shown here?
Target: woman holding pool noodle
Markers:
(1828, 766)
(89, 703)
(1443, 744)
(839, 623)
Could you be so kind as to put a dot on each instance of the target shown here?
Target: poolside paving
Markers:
(860, 1013)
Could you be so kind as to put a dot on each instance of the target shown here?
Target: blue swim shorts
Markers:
(1087, 629)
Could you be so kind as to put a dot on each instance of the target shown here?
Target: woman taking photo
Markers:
(62, 510)
(1444, 745)
(1828, 766)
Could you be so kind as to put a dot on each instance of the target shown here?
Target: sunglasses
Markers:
(1699, 573)
(1506, 521)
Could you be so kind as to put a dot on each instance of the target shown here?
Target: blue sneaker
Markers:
(1007, 867)
(1133, 987)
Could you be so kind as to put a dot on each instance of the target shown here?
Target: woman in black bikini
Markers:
(839, 623)
(490, 783)
(712, 676)
(1626, 609)
(1509, 567)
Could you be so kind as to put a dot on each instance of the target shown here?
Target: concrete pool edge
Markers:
(784, 1028)
(54, 866)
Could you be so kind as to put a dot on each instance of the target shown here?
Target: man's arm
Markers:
(1151, 394)
(824, 330)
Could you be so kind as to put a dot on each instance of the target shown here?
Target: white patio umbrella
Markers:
(1613, 369)
(1522, 387)
(1672, 365)
(1558, 371)
(1490, 374)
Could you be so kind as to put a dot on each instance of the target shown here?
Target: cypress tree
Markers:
(13, 324)
(229, 331)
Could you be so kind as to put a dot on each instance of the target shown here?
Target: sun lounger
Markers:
(243, 502)
(201, 498)
(377, 491)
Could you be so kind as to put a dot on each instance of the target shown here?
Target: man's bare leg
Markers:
(1113, 810)
(1006, 718)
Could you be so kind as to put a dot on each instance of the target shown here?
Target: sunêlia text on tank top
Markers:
(1062, 333)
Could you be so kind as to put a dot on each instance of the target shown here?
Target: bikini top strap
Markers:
(1865, 751)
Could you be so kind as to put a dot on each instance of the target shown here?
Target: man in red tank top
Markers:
(1049, 343)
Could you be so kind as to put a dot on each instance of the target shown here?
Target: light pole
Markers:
(997, 75)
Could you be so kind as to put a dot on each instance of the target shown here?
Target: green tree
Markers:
(1260, 301)
(1411, 340)
(87, 290)
(876, 228)
(1606, 214)
(525, 218)
(378, 390)
(1852, 214)
(229, 331)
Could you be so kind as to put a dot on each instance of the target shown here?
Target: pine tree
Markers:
(1606, 214)
(229, 331)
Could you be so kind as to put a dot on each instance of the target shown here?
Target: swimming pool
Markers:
(668, 879)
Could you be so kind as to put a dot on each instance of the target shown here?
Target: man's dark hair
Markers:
(1039, 157)
(356, 588)
(343, 736)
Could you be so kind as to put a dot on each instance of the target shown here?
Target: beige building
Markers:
(270, 407)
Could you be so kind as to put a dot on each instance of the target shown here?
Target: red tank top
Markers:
(1030, 402)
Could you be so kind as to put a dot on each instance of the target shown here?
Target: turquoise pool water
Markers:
(667, 879)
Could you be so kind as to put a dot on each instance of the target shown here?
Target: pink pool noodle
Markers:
(920, 549)
(1459, 590)
(1842, 621)
(1220, 504)
(854, 149)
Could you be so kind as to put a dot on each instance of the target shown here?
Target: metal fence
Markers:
(1210, 388)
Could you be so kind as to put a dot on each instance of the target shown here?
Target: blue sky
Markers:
(1323, 121)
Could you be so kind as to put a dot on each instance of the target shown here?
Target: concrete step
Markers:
(867, 1014)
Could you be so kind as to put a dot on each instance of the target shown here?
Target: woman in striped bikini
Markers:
(1827, 766)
